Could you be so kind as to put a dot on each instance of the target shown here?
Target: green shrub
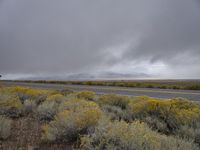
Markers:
(47, 110)
(193, 87)
(10, 105)
(88, 95)
(116, 113)
(189, 133)
(156, 124)
(5, 127)
(114, 100)
(135, 136)
(75, 118)
(29, 106)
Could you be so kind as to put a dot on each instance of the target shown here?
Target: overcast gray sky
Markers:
(137, 38)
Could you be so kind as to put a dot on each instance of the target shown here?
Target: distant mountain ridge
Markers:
(85, 76)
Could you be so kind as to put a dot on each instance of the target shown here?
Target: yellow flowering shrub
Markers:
(10, 105)
(115, 100)
(75, 117)
(58, 98)
(149, 106)
(88, 95)
(174, 112)
(9, 101)
(25, 93)
(76, 104)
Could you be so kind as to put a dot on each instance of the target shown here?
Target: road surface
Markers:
(156, 93)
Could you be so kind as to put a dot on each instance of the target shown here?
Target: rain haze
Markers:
(90, 39)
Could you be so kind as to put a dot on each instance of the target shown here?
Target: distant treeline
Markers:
(161, 84)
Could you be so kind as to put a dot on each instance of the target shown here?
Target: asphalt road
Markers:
(157, 93)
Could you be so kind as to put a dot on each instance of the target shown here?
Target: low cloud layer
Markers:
(107, 38)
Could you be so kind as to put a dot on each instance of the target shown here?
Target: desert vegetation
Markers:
(63, 119)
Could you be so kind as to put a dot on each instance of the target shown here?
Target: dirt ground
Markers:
(26, 135)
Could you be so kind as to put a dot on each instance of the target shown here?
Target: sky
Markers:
(94, 39)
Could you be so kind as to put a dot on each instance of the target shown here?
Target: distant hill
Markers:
(84, 76)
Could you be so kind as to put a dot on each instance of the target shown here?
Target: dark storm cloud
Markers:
(174, 31)
(75, 36)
